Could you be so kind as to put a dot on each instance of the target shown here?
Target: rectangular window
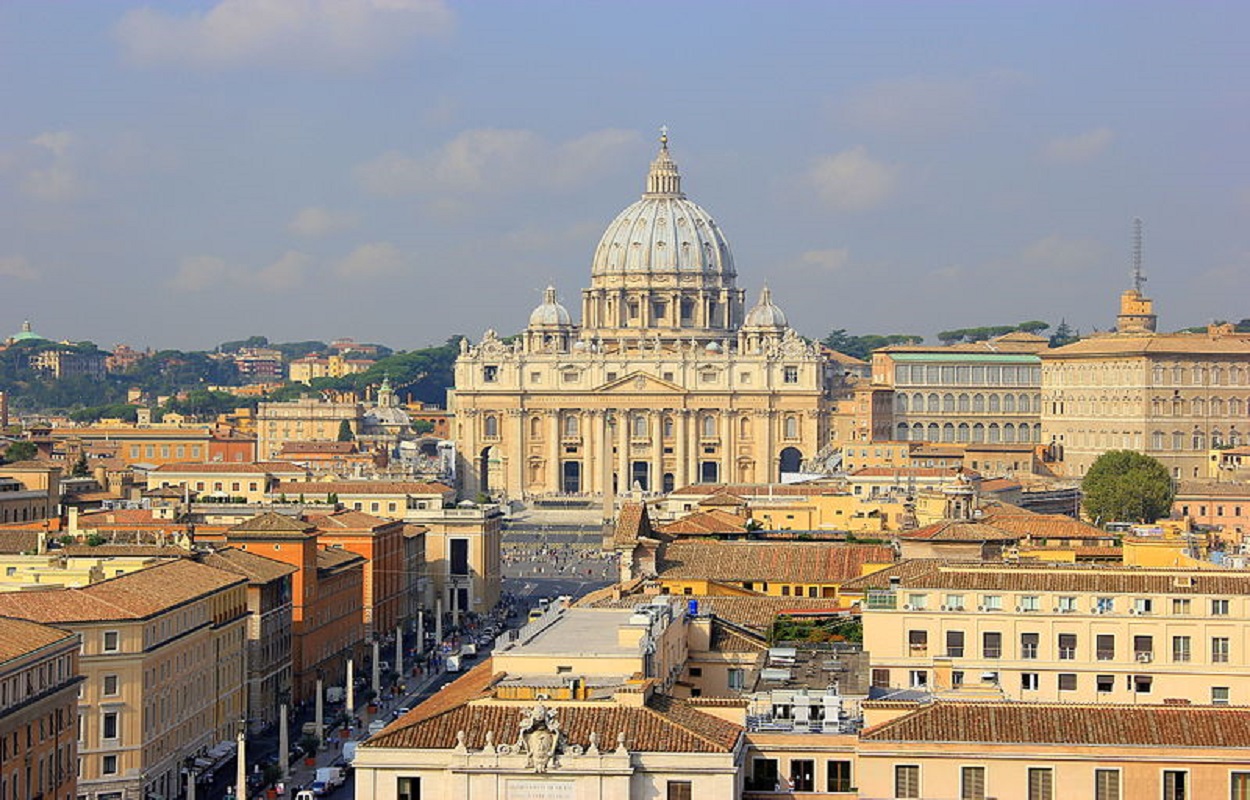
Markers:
(790, 375)
(1104, 684)
(991, 645)
(918, 602)
(919, 679)
(1104, 605)
(1107, 784)
(490, 374)
(838, 776)
(1028, 645)
(679, 790)
(1238, 785)
(1180, 605)
(1141, 683)
(1143, 605)
(954, 644)
(992, 602)
(1180, 649)
(1030, 602)
(1219, 649)
(907, 781)
(1219, 608)
(108, 765)
(764, 775)
(1067, 681)
(108, 725)
(1067, 605)
(918, 642)
(1030, 681)
(1067, 646)
(880, 678)
(736, 679)
(1175, 784)
(1041, 783)
(802, 775)
(459, 556)
(112, 641)
(1143, 649)
(972, 783)
(408, 789)
(954, 602)
(1219, 695)
(110, 685)
(1104, 647)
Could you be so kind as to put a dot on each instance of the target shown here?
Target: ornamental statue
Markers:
(540, 738)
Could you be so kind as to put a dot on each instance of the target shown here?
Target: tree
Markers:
(1124, 485)
(345, 431)
(20, 451)
(80, 469)
(1064, 334)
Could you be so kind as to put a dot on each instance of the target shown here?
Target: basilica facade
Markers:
(668, 380)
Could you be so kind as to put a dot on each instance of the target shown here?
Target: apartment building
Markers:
(380, 542)
(1060, 633)
(240, 482)
(163, 657)
(302, 420)
(39, 680)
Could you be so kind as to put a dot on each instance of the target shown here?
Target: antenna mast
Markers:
(1138, 278)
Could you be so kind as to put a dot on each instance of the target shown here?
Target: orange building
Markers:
(326, 590)
(381, 543)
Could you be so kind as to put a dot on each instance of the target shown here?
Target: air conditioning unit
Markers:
(980, 608)
(1055, 610)
(942, 608)
(1145, 658)
(959, 608)
(1019, 609)
(906, 607)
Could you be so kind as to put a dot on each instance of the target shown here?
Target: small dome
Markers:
(766, 314)
(26, 334)
(550, 312)
(713, 347)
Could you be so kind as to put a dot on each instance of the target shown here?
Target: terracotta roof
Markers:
(999, 485)
(361, 487)
(1199, 489)
(273, 524)
(957, 531)
(723, 499)
(411, 530)
(907, 570)
(1092, 578)
(1152, 344)
(123, 516)
(1046, 724)
(911, 472)
(347, 520)
(15, 542)
(249, 467)
(257, 569)
(727, 639)
(632, 523)
(664, 724)
(1044, 526)
(778, 562)
(331, 559)
(702, 523)
(135, 595)
(142, 550)
(19, 637)
(760, 489)
(318, 447)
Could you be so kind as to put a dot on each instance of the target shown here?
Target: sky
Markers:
(402, 171)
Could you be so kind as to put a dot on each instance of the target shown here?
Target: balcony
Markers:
(881, 600)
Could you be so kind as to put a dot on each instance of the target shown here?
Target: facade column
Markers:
(554, 475)
(657, 450)
(681, 431)
(623, 422)
(772, 473)
(729, 435)
(515, 482)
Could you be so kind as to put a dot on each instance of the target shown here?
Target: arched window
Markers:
(948, 403)
(978, 433)
(932, 432)
(709, 426)
(1235, 408)
(1217, 376)
(1199, 441)
(744, 428)
(963, 432)
(668, 427)
(1178, 440)
(1009, 432)
(900, 402)
(1217, 407)
(995, 433)
(1025, 406)
(995, 404)
(901, 430)
(1156, 440)
(1199, 406)
(1009, 403)
(640, 428)
(948, 432)
(965, 403)
(490, 426)
(933, 404)
(917, 432)
(1037, 431)
(792, 427)
(1217, 439)
(1237, 376)
(536, 428)
(978, 404)
(570, 425)
(1178, 375)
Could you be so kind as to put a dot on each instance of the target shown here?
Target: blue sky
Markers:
(405, 170)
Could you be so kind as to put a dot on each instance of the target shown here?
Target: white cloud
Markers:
(52, 175)
(830, 260)
(496, 161)
(374, 260)
(290, 33)
(925, 104)
(17, 267)
(1079, 148)
(198, 273)
(315, 222)
(534, 239)
(852, 180)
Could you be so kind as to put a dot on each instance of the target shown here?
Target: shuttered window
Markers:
(1041, 783)
(1107, 784)
(907, 781)
(1239, 785)
(1175, 784)
(972, 783)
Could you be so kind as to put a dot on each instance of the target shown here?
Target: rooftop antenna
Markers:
(1138, 278)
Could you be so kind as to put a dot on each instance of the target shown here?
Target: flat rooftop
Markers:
(580, 632)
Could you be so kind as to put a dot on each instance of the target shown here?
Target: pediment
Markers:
(640, 383)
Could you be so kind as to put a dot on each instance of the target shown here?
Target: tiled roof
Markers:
(124, 550)
(702, 523)
(723, 499)
(135, 595)
(956, 531)
(1093, 578)
(760, 489)
(911, 472)
(257, 569)
(318, 447)
(664, 724)
(14, 542)
(632, 523)
(999, 485)
(1047, 724)
(347, 520)
(123, 516)
(1043, 526)
(333, 558)
(726, 639)
(1200, 489)
(1153, 344)
(19, 637)
(273, 524)
(361, 487)
(908, 571)
(246, 467)
(778, 562)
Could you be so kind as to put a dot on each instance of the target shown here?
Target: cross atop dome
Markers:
(663, 180)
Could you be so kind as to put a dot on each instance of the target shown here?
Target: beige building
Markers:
(1170, 396)
(29, 490)
(309, 368)
(668, 380)
(239, 483)
(303, 420)
(1061, 633)
(163, 656)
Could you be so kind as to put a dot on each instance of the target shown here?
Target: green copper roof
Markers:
(968, 358)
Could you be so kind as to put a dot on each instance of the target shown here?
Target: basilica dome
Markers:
(766, 313)
(550, 312)
(663, 232)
